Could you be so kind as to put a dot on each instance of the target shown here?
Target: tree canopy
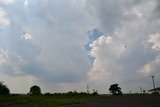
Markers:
(4, 90)
(115, 90)
(35, 90)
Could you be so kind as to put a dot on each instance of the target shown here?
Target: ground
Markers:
(135, 100)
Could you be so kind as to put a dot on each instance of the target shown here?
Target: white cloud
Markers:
(3, 55)
(127, 53)
(107, 43)
(19, 84)
(6, 1)
(107, 51)
(3, 19)
(146, 70)
(26, 36)
(26, 2)
(53, 49)
(151, 68)
(155, 40)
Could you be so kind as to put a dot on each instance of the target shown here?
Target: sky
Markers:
(65, 45)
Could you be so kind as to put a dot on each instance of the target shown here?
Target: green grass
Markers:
(43, 99)
(127, 100)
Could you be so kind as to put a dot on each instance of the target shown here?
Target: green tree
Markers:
(115, 90)
(4, 90)
(35, 90)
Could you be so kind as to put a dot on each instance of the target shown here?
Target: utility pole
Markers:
(87, 88)
(140, 89)
(153, 83)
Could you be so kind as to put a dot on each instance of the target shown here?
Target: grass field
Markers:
(136, 100)
(44, 100)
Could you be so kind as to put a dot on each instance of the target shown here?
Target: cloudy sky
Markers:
(65, 45)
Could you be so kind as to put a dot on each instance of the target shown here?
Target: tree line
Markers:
(36, 90)
(4, 90)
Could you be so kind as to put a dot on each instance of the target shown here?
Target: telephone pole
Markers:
(153, 82)
(140, 89)
(87, 88)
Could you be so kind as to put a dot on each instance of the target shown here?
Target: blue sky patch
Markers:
(92, 35)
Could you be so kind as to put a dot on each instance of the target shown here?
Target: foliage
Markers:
(155, 93)
(35, 90)
(95, 93)
(3, 89)
(115, 90)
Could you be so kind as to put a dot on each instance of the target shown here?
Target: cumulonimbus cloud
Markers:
(135, 31)
(52, 50)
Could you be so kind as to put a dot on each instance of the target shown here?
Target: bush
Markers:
(95, 93)
(155, 93)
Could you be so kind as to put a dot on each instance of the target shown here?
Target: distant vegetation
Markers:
(72, 94)
(46, 99)
(35, 98)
